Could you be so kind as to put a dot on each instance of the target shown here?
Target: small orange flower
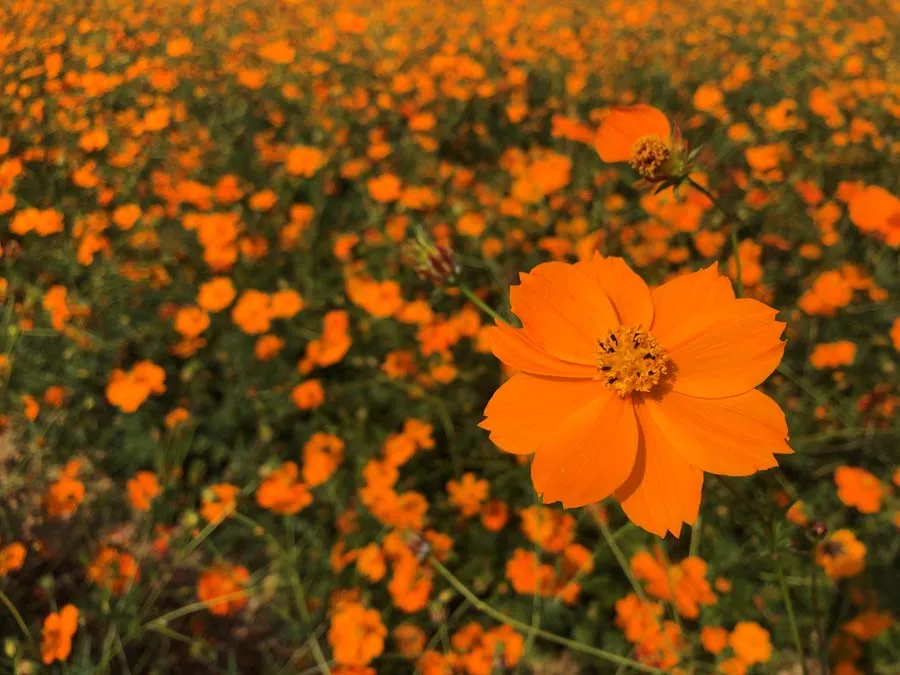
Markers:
(859, 488)
(842, 555)
(468, 494)
(384, 188)
(216, 294)
(601, 355)
(308, 395)
(59, 628)
(281, 492)
(322, 454)
(304, 160)
(356, 634)
(113, 570)
(714, 638)
(833, 354)
(222, 588)
(219, 501)
(285, 304)
(12, 557)
(370, 563)
(190, 322)
(65, 494)
(253, 312)
(750, 642)
(494, 515)
(143, 488)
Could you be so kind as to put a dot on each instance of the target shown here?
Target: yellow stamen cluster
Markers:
(630, 359)
(649, 156)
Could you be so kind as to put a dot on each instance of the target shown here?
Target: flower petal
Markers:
(590, 456)
(630, 296)
(526, 409)
(734, 436)
(563, 310)
(730, 351)
(675, 299)
(663, 490)
(623, 126)
(517, 350)
(720, 346)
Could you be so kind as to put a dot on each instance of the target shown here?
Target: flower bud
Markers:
(429, 260)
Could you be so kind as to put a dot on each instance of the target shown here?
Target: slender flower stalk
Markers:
(497, 615)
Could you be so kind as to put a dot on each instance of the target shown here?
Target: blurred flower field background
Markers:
(240, 425)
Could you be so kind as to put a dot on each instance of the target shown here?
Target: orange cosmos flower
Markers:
(12, 556)
(281, 492)
(222, 588)
(142, 489)
(642, 136)
(842, 555)
(750, 642)
(636, 392)
(859, 488)
(356, 634)
(59, 627)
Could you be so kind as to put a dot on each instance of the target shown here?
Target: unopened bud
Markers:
(818, 529)
(430, 260)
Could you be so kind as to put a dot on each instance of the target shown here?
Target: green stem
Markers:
(620, 558)
(732, 219)
(18, 617)
(574, 645)
(478, 302)
(788, 604)
(817, 614)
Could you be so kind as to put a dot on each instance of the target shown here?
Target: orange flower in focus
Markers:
(842, 555)
(750, 642)
(219, 501)
(356, 634)
(634, 392)
(222, 588)
(642, 136)
(56, 636)
(281, 492)
(143, 488)
(12, 557)
(859, 488)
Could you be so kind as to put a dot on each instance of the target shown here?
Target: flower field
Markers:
(449, 338)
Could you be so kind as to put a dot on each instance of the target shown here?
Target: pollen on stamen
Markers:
(630, 359)
(649, 156)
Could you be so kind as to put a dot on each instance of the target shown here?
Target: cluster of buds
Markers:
(431, 261)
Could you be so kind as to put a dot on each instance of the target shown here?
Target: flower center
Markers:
(630, 359)
(649, 156)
